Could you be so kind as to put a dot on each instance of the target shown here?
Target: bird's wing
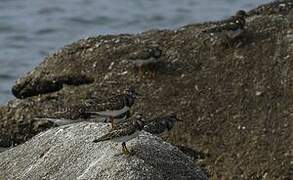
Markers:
(151, 120)
(155, 128)
(155, 123)
(69, 112)
(232, 26)
(127, 123)
(159, 124)
(116, 133)
(225, 25)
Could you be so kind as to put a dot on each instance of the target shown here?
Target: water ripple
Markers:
(46, 31)
(50, 10)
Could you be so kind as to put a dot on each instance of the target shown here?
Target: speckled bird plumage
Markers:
(145, 57)
(232, 26)
(113, 110)
(125, 133)
(161, 124)
(111, 107)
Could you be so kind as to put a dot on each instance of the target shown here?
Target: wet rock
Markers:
(68, 153)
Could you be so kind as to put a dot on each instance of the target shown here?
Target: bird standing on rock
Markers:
(125, 133)
(236, 27)
(114, 109)
(159, 125)
(146, 59)
(233, 24)
(231, 28)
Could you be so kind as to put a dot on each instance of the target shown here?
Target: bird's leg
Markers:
(112, 122)
(140, 72)
(229, 41)
(238, 44)
(152, 72)
(124, 149)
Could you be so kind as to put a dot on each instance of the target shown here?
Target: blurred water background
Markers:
(30, 29)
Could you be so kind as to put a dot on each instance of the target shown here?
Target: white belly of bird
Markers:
(113, 113)
(126, 138)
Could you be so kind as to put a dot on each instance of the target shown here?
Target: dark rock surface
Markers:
(68, 152)
(235, 98)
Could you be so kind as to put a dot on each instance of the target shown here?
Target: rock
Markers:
(275, 7)
(43, 86)
(68, 153)
(212, 87)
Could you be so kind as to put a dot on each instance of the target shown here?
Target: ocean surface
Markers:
(30, 29)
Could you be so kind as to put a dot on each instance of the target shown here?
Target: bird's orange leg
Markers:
(124, 149)
(113, 126)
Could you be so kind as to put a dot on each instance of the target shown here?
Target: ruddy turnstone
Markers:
(232, 25)
(231, 28)
(146, 59)
(115, 109)
(123, 135)
(159, 125)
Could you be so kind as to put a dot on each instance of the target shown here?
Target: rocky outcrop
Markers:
(234, 98)
(69, 153)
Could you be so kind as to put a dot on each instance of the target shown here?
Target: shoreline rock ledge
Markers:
(68, 152)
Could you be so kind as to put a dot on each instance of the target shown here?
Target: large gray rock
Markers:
(68, 153)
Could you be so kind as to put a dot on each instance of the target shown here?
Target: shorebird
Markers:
(112, 110)
(115, 109)
(125, 133)
(231, 28)
(232, 25)
(146, 59)
(159, 125)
